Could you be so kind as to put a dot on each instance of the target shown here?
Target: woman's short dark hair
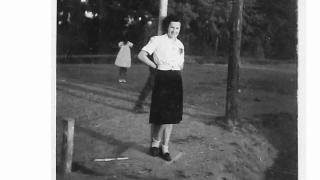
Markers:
(166, 21)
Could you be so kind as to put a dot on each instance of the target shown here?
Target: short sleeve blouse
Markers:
(167, 53)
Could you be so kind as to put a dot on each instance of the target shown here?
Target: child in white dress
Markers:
(123, 60)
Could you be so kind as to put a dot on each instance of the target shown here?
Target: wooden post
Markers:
(162, 14)
(233, 64)
(67, 144)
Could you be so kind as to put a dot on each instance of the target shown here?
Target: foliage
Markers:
(269, 26)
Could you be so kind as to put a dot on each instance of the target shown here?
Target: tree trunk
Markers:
(162, 14)
(233, 64)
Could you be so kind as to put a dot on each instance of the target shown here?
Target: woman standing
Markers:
(123, 60)
(167, 93)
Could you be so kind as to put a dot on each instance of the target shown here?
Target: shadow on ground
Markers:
(95, 173)
(99, 98)
(121, 146)
(281, 131)
(79, 168)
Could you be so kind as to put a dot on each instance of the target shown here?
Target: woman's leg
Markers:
(167, 130)
(155, 140)
(161, 132)
(164, 133)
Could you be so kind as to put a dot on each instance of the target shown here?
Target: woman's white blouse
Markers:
(168, 54)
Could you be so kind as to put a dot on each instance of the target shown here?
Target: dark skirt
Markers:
(167, 98)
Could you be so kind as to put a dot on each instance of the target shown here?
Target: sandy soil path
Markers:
(106, 127)
(201, 148)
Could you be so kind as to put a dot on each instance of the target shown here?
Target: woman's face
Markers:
(174, 29)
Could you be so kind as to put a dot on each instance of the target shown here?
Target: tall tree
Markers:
(233, 65)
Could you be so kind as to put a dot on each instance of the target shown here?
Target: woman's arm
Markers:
(182, 56)
(143, 56)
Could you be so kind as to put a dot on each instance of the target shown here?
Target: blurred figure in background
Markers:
(138, 107)
(123, 60)
(150, 29)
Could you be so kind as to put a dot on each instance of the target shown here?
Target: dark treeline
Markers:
(96, 26)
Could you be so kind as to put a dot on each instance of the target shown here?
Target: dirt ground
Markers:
(264, 147)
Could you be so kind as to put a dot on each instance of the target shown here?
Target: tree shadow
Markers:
(121, 146)
(96, 92)
(98, 101)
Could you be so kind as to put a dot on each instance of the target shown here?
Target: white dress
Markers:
(124, 56)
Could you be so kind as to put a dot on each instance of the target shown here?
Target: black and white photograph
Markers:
(176, 89)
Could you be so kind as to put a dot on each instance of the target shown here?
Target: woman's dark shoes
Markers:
(154, 151)
(165, 155)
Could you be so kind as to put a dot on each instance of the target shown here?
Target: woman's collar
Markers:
(172, 39)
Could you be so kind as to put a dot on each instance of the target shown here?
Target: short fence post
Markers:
(67, 144)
